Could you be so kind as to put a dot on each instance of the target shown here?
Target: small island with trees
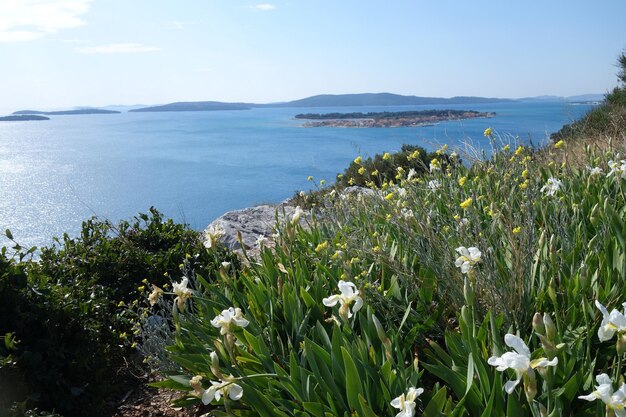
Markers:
(22, 118)
(389, 119)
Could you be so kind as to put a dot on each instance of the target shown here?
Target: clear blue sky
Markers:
(64, 53)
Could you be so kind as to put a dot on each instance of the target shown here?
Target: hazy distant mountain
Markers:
(195, 106)
(123, 108)
(379, 99)
(570, 99)
(67, 112)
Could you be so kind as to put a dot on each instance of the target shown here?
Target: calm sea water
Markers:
(195, 166)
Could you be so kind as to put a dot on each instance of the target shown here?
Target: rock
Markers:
(251, 222)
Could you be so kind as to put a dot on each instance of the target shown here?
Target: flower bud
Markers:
(538, 326)
(621, 344)
(215, 365)
(550, 327)
(468, 292)
(530, 385)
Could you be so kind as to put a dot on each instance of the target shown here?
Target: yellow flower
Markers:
(358, 160)
(413, 155)
(386, 156)
(435, 165)
(488, 132)
(465, 204)
(516, 230)
(374, 172)
(441, 150)
(351, 181)
(389, 196)
(525, 173)
(388, 217)
(322, 182)
(456, 217)
(559, 144)
(489, 171)
(506, 147)
(322, 246)
(519, 150)
(524, 185)
(121, 304)
(309, 178)
(361, 171)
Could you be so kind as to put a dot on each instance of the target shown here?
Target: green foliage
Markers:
(68, 310)
(374, 172)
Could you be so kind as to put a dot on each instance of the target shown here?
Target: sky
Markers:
(66, 53)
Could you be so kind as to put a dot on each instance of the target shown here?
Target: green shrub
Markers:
(69, 312)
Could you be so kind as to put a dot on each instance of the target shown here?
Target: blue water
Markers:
(195, 166)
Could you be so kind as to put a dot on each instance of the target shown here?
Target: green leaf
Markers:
(9, 234)
(353, 381)
(436, 404)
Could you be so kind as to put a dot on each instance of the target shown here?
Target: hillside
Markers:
(193, 106)
(67, 112)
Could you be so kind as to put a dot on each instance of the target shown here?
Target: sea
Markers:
(195, 166)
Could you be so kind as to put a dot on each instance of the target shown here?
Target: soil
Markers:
(145, 401)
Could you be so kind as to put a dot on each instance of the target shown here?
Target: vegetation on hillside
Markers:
(491, 289)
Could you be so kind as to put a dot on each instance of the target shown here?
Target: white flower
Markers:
(594, 171)
(407, 213)
(611, 323)
(222, 388)
(182, 292)
(349, 293)
(519, 361)
(225, 265)
(617, 168)
(406, 404)
(212, 235)
(462, 223)
(295, 219)
(401, 192)
(412, 173)
(552, 186)
(261, 240)
(434, 184)
(615, 401)
(225, 320)
(469, 257)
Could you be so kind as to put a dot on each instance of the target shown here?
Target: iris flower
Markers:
(615, 401)
(225, 320)
(222, 388)
(349, 293)
(519, 361)
(469, 257)
(611, 322)
(406, 404)
(182, 292)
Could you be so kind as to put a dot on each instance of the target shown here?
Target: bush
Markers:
(68, 310)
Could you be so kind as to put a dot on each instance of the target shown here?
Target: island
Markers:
(389, 119)
(23, 118)
(194, 106)
(66, 112)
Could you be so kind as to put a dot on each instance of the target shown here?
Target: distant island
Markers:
(66, 112)
(194, 106)
(22, 118)
(389, 119)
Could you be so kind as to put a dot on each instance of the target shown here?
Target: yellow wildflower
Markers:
(389, 196)
(525, 173)
(559, 144)
(516, 230)
(456, 217)
(465, 204)
(361, 171)
(309, 178)
(386, 156)
(322, 182)
(488, 132)
(524, 185)
(322, 246)
(358, 160)
(374, 172)
(489, 171)
(351, 181)
(519, 150)
(506, 147)
(441, 150)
